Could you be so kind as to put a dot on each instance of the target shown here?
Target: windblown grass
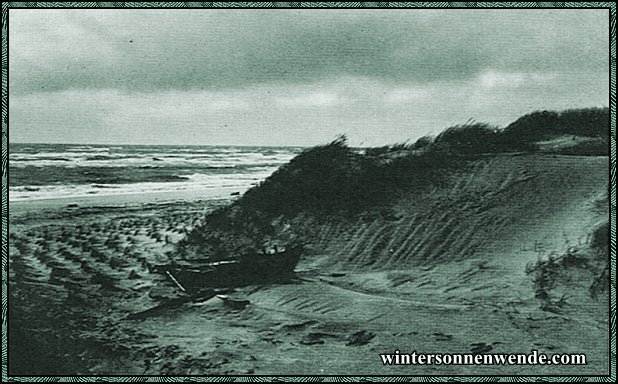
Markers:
(336, 180)
(542, 125)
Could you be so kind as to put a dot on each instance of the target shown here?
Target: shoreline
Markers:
(121, 200)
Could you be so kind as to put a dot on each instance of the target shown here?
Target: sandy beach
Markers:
(121, 201)
(80, 263)
(83, 296)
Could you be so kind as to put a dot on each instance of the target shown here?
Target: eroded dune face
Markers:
(512, 239)
(503, 254)
(506, 208)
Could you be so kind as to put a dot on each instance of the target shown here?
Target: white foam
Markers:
(81, 159)
(194, 182)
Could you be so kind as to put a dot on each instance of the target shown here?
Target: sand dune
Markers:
(440, 271)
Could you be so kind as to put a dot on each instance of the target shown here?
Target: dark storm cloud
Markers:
(150, 50)
(294, 77)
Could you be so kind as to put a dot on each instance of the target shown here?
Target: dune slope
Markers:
(454, 265)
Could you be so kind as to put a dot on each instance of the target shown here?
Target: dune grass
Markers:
(554, 271)
(337, 180)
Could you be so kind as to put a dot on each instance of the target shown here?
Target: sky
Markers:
(294, 77)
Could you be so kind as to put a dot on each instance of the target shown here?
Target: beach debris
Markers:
(316, 338)
(171, 304)
(235, 194)
(249, 268)
(443, 336)
(298, 326)
(480, 347)
(175, 281)
(360, 338)
(232, 303)
(158, 309)
(72, 205)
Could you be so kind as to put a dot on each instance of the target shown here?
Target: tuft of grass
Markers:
(388, 149)
(469, 139)
(549, 273)
(542, 125)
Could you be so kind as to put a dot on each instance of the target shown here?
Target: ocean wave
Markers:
(70, 160)
(42, 158)
(208, 182)
(87, 148)
(99, 157)
(51, 170)
(257, 174)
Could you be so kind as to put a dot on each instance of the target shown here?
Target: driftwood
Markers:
(171, 304)
(175, 281)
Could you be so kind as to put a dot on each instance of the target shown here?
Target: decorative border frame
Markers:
(6, 6)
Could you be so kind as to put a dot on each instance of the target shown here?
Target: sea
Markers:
(44, 171)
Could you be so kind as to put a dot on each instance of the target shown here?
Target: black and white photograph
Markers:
(317, 192)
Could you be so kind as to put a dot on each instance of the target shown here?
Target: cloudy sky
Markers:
(293, 77)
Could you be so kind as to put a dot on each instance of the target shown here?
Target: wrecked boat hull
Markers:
(247, 270)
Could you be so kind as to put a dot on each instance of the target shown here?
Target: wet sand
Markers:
(136, 199)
